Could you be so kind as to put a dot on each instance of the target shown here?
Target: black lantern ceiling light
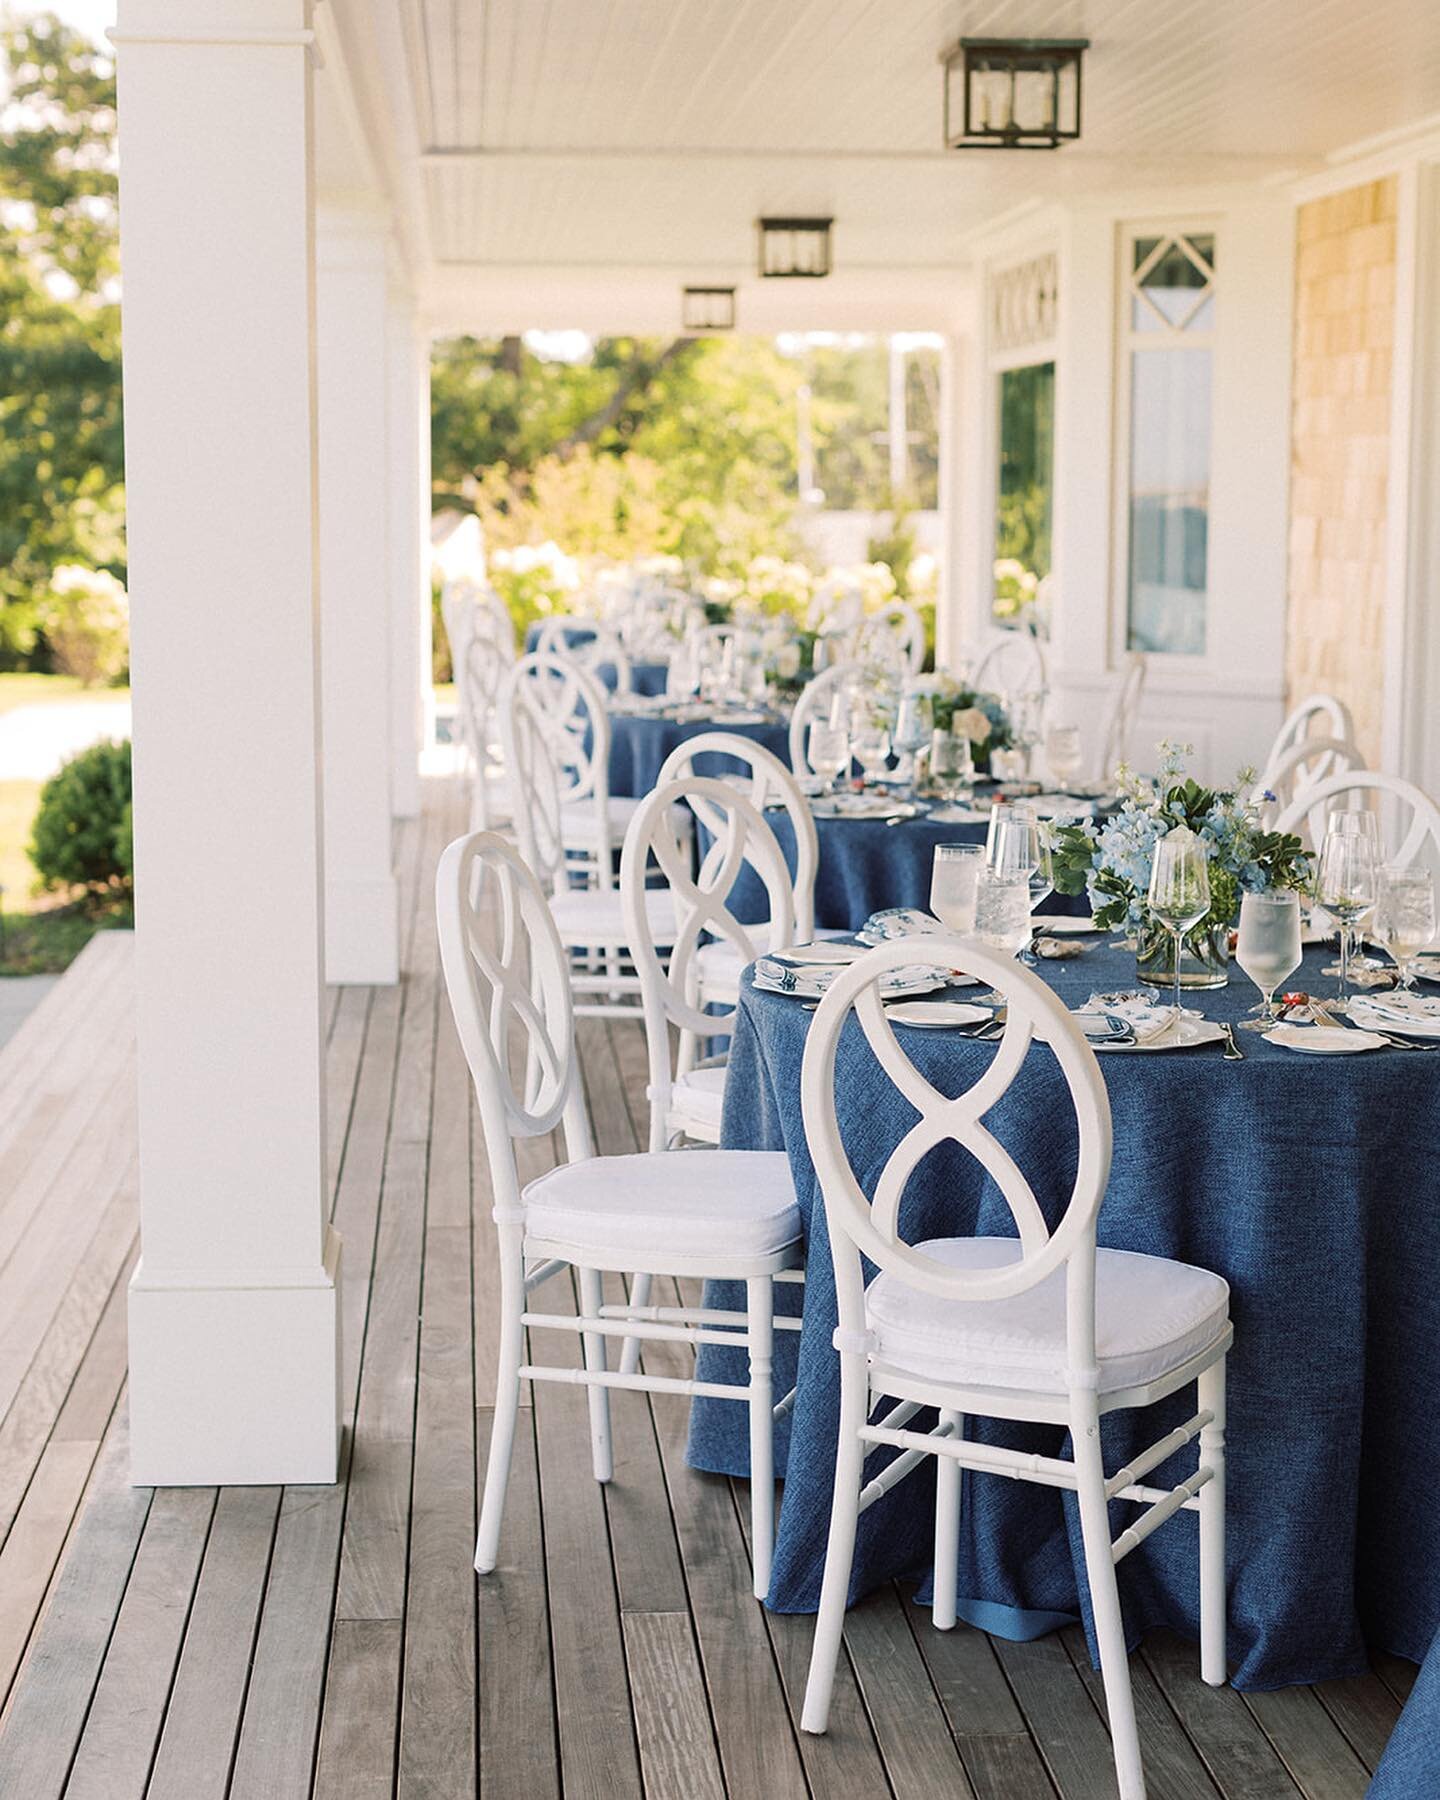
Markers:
(794, 248)
(1012, 93)
(707, 308)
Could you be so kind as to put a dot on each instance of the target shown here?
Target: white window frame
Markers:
(1127, 341)
(997, 363)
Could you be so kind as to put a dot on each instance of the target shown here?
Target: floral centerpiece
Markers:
(789, 658)
(1110, 861)
(973, 714)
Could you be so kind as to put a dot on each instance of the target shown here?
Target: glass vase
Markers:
(1204, 957)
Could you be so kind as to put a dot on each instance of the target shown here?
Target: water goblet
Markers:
(1268, 949)
(829, 752)
(912, 731)
(954, 883)
(1063, 754)
(952, 769)
(1405, 916)
(1002, 912)
(1346, 887)
(1179, 894)
(870, 744)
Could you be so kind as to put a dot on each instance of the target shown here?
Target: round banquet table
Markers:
(865, 864)
(640, 742)
(647, 678)
(1308, 1182)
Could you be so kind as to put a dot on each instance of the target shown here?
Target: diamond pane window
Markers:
(1173, 284)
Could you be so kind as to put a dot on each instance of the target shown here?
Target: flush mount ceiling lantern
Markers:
(1012, 93)
(794, 248)
(707, 308)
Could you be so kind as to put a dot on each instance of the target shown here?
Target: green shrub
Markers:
(82, 833)
(86, 620)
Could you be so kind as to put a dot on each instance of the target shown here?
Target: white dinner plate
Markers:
(1416, 1015)
(1062, 925)
(823, 952)
(937, 1015)
(1324, 1040)
(862, 806)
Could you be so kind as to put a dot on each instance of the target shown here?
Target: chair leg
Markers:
(1213, 1598)
(591, 1300)
(502, 1442)
(1105, 1599)
(947, 1530)
(630, 1347)
(840, 1548)
(760, 1339)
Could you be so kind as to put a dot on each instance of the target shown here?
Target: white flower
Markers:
(972, 723)
(787, 662)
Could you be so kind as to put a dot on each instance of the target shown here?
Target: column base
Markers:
(362, 930)
(235, 1386)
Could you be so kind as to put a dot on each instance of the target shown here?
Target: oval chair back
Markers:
(1332, 717)
(1120, 714)
(815, 701)
(868, 1225)
(1297, 772)
(479, 679)
(769, 783)
(602, 649)
(741, 840)
(509, 988)
(1013, 664)
(552, 698)
(1409, 818)
(895, 632)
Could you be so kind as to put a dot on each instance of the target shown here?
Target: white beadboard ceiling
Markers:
(628, 134)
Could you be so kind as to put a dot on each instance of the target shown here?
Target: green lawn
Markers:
(39, 933)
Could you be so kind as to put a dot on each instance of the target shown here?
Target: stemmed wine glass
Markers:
(829, 752)
(1358, 822)
(1063, 755)
(1405, 916)
(954, 884)
(870, 745)
(1268, 949)
(1179, 889)
(912, 732)
(1346, 888)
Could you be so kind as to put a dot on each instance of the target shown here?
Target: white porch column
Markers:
(362, 923)
(233, 1307)
(408, 433)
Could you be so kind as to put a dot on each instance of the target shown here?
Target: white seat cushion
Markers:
(720, 1203)
(579, 820)
(594, 917)
(1151, 1316)
(699, 1098)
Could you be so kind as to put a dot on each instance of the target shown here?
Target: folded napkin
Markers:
(1148, 1021)
(778, 978)
(897, 922)
(1404, 1008)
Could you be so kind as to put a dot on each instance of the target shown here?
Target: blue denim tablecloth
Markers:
(866, 864)
(1410, 1766)
(645, 677)
(640, 744)
(1308, 1182)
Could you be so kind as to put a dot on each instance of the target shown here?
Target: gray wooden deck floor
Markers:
(188, 1644)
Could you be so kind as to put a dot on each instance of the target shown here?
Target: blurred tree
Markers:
(61, 452)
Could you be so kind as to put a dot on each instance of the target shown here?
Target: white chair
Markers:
(895, 633)
(1294, 774)
(1118, 720)
(589, 918)
(686, 1096)
(1409, 821)
(817, 697)
(725, 1214)
(1013, 664)
(1041, 1327)
(766, 782)
(1332, 717)
(480, 678)
(602, 650)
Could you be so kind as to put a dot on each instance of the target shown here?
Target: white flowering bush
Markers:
(534, 580)
(86, 617)
(1015, 587)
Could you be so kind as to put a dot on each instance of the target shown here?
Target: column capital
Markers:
(264, 24)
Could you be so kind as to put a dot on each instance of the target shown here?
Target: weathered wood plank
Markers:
(517, 1706)
(118, 1743)
(438, 1698)
(48, 1704)
(1173, 1766)
(672, 1717)
(357, 1740)
(1310, 1744)
(915, 1744)
(1236, 1751)
(1068, 1731)
(33, 1547)
(995, 1745)
(202, 1720)
(1365, 1711)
